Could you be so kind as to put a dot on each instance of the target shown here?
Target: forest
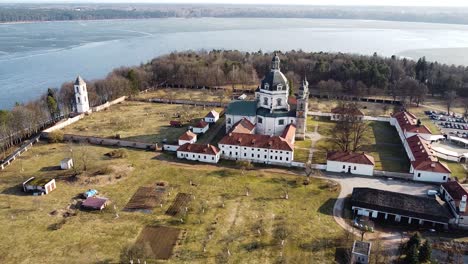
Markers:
(65, 12)
(329, 74)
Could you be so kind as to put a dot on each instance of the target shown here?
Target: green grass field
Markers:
(250, 227)
(144, 122)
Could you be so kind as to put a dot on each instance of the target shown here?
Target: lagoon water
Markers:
(35, 56)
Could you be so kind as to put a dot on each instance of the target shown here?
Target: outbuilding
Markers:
(201, 127)
(393, 207)
(66, 164)
(198, 152)
(350, 162)
(361, 252)
(187, 137)
(456, 195)
(39, 186)
(212, 117)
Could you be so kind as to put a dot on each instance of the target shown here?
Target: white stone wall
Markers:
(272, 98)
(198, 157)
(258, 155)
(354, 168)
(270, 125)
(81, 98)
(182, 142)
(211, 119)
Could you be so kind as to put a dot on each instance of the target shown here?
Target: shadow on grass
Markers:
(327, 207)
(284, 182)
(224, 173)
(15, 190)
(50, 168)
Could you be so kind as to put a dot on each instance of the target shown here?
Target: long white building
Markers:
(416, 137)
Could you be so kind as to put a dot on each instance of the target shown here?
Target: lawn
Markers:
(144, 122)
(251, 227)
(368, 108)
(457, 169)
(185, 94)
(381, 142)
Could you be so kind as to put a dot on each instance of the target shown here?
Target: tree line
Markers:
(329, 74)
(65, 12)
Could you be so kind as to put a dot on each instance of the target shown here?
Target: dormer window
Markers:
(267, 86)
(280, 87)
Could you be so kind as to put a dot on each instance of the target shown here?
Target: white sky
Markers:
(276, 2)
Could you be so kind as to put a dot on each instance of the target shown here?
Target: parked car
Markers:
(432, 192)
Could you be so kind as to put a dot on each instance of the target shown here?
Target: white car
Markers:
(432, 192)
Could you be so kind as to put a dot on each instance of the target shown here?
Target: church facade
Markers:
(273, 109)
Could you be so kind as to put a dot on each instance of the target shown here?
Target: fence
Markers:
(63, 123)
(18, 152)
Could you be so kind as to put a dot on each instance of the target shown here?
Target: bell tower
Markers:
(302, 108)
(81, 96)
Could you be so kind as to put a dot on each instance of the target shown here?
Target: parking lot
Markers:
(448, 124)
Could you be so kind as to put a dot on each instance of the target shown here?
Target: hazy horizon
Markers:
(412, 3)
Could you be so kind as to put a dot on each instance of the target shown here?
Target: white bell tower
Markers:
(81, 96)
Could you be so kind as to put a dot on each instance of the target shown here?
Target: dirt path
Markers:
(314, 137)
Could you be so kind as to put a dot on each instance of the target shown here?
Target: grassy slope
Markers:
(145, 122)
(93, 237)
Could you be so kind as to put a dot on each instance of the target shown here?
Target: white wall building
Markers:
(39, 186)
(81, 96)
(187, 137)
(201, 127)
(350, 162)
(456, 197)
(212, 117)
(259, 148)
(416, 137)
(66, 164)
(198, 152)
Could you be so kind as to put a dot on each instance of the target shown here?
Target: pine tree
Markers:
(412, 255)
(425, 252)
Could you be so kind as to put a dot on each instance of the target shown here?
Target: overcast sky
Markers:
(292, 2)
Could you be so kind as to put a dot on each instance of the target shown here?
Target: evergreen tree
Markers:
(52, 104)
(412, 255)
(425, 252)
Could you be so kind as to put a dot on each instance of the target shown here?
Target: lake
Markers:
(35, 56)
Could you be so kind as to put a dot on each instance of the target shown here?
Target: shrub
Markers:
(117, 154)
(56, 136)
(105, 171)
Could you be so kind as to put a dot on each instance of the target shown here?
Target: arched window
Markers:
(229, 121)
(265, 101)
(267, 86)
(279, 87)
(278, 101)
(78, 99)
(260, 120)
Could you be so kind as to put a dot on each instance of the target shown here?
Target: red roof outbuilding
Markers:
(351, 157)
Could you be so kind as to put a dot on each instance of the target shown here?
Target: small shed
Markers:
(187, 137)
(360, 252)
(38, 186)
(66, 164)
(95, 203)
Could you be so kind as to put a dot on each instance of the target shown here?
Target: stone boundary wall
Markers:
(64, 123)
(366, 118)
(27, 145)
(106, 142)
(399, 175)
(108, 104)
(182, 102)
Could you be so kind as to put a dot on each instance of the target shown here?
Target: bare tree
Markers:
(450, 97)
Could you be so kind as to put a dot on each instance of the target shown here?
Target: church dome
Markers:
(275, 79)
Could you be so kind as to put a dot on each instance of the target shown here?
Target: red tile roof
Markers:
(257, 141)
(292, 100)
(244, 126)
(94, 203)
(289, 133)
(212, 114)
(201, 124)
(351, 157)
(188, 135)
(455, 189)
(199, 148)
(409, 122)
(424, 157)
(346, 111)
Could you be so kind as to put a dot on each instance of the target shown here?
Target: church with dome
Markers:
(273, 110)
